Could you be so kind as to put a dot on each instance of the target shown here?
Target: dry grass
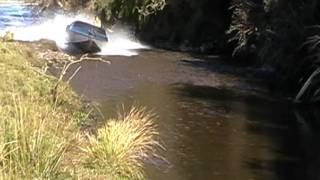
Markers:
(121, 146)
(34, 139)
(35, 134)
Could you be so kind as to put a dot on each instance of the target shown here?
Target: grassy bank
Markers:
(42, 139)
(35, 133)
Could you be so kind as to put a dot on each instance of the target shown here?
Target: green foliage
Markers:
(132, 11)
(272, 29)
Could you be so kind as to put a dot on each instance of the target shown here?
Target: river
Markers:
(217, 121)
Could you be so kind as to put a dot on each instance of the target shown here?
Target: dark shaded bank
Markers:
(283, 35)
(185, 25)
(189, 25)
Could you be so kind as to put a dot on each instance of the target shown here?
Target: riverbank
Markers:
(34, 129)
(44, 132)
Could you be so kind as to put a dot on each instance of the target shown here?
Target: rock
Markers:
(48, 44)
(8, 36)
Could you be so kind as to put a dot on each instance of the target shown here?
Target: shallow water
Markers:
(15, 16)
(215, 120)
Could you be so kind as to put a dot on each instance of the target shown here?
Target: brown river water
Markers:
(216, 121)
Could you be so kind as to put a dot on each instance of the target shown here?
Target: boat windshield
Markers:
(88, 30)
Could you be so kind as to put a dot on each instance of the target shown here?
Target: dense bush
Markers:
(171, 23)
(135, 11)
(273, 31)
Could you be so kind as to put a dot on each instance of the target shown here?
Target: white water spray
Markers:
(120, 42)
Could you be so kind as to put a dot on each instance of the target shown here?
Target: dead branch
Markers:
(74, 73)
(71, 61)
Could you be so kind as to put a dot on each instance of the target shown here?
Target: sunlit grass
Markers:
(35, 133)
(34, 138)
(119, 148)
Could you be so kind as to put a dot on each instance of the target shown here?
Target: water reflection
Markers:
(218, 134)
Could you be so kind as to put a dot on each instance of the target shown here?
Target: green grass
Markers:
(35, 138)
(42, 139)
(35, 134)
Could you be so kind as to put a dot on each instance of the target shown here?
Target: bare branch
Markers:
(74, 73)
(66, 67)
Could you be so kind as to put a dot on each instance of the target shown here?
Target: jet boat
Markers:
(86, 37)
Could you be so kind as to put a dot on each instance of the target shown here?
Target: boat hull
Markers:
(87, 46)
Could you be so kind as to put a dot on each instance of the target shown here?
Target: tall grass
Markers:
(34, 139)
(35, 134)
(119, 148)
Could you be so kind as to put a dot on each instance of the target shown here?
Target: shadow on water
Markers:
(213, 133)
(296, 148)
(263, 77)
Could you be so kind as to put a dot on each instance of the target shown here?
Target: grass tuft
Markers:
(120, 148)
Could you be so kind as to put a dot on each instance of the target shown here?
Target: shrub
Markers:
(270, 29)
(135, 11)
